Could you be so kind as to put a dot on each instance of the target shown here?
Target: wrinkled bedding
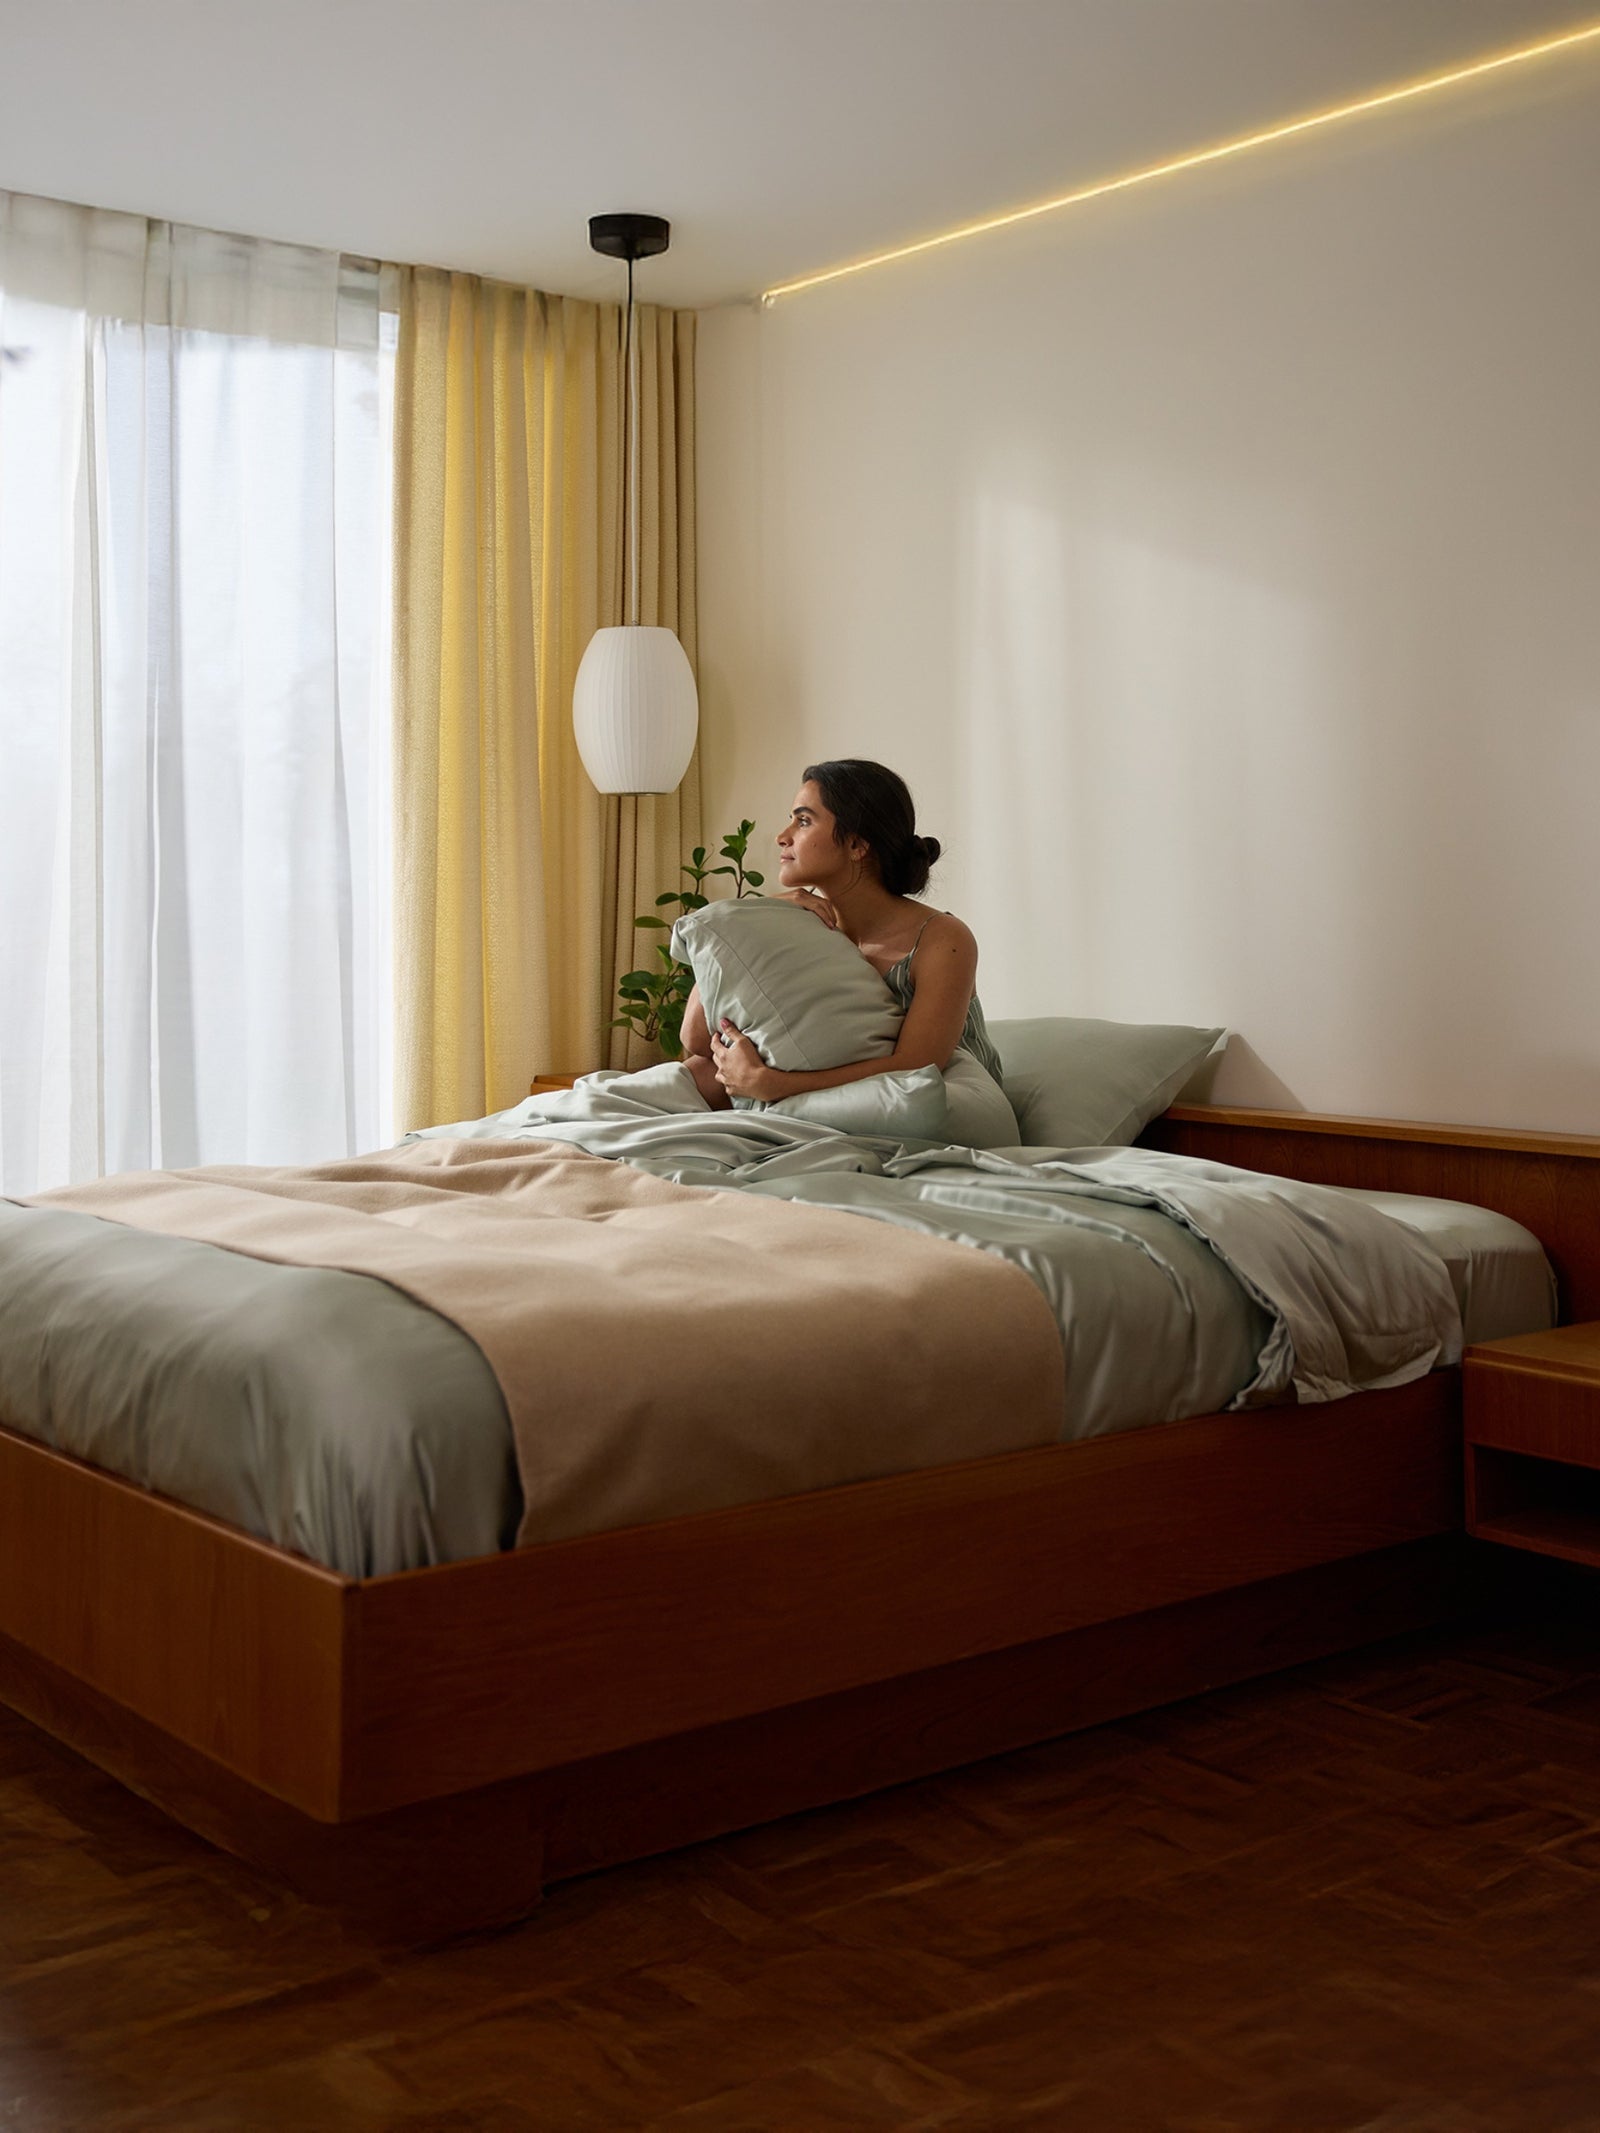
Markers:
(585, 1284)
(1175, 1287)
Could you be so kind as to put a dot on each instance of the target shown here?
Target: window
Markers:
(194, 718)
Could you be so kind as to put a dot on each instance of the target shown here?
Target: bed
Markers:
(429, 1748)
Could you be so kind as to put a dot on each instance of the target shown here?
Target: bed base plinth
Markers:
(465, 1733)
(480, 1859)
(699, 1785)
(414, 1875)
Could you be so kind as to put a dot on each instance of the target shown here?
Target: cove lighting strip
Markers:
(1404, 94)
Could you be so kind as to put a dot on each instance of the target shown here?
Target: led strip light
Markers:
(1404, 94)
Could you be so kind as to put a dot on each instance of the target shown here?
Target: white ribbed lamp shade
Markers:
(634, 710)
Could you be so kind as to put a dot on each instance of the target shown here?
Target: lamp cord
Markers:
(630, 454)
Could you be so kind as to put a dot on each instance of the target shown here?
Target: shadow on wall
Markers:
(1237, 1074)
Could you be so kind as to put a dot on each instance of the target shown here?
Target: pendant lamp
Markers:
(635, 710)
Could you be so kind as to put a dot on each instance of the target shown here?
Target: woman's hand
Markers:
(809, 900)
(704, 1076)
(740, 1067)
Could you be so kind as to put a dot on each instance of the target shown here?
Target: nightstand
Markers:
(543, 1084)
(1531, 1425)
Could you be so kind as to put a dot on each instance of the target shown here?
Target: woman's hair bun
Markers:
(872, 803)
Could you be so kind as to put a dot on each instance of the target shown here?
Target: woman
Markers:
(850, 853)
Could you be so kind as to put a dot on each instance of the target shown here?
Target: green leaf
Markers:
(671, 1031)
(653, 1001)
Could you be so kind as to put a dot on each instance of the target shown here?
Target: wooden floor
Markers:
(1363, 1895)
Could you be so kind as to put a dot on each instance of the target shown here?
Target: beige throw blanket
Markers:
(662, 1349)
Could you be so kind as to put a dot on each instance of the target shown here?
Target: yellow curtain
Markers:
(516, 885)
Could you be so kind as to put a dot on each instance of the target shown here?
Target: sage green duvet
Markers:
(328, 1413)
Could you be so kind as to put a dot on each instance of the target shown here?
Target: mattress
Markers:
(1504, 1284)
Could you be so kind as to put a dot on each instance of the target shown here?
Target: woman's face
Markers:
(807, 851)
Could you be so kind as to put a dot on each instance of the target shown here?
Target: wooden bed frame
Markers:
(428, 1750)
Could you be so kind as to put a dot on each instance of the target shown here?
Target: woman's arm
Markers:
(695, 1033)
(946, 967)
(695, 1036)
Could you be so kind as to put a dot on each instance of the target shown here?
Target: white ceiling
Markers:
(780, 136)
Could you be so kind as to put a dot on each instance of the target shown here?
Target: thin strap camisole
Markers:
(974, 1037)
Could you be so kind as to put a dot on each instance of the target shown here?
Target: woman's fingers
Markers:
(737, 1059)
(809, 900)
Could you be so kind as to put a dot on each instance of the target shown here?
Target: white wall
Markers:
(1221, 565)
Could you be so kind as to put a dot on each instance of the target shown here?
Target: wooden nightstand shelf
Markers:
(1531, 1417)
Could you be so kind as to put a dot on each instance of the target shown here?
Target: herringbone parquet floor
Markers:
(1362, 1895)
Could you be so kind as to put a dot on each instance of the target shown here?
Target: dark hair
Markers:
(869, 802)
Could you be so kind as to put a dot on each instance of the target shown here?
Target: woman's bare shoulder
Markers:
(945, 926)
(944, 930)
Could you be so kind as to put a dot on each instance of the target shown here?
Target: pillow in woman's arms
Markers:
(961, 1108)
(980, 1116)
(906, 1104)
(804, 995)
(807, 998)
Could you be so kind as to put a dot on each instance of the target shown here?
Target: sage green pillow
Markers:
(1078, 1083)
(908, 1104)
(980, 1116)
(805, 996)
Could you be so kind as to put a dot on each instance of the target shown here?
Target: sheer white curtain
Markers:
(194, 660)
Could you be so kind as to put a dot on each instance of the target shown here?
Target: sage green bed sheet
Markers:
(323, 1411)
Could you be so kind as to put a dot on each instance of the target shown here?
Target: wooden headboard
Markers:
(1549, 1182)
